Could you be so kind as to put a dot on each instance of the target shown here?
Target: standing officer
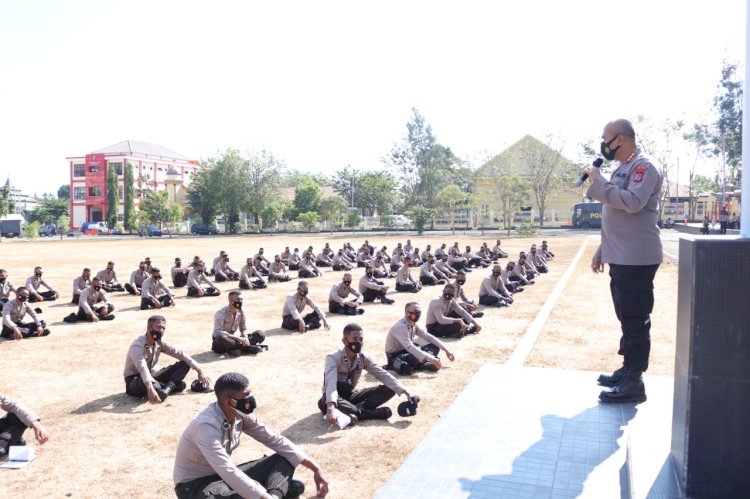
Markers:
(108, 278)
(34, 282)
(404, 356)
(294, 304)
(229, 320)
(80, 283)
(154, 293)
(143, 354)
(631, 246)
(337, 299)
(13, 313)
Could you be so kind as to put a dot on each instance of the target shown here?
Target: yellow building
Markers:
(530, 158)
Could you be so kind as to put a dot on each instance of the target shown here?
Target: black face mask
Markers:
(496, 274)
(23, 298)
(461, 282)
(97, 288)
(347, 283)
(302, 293)
(354, 346)
(178, 265)
(369, 274)
(246, 405)
(2, 280)
(156, 335)
(448, 296)
(38, 274)
(608, 153)
(414, 316)
(237, 305)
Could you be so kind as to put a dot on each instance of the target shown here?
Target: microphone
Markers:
(596, 164)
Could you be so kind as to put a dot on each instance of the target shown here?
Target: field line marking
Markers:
(528, 341)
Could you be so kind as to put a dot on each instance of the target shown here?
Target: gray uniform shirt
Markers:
(277, 270)
(33, 283)
(492, 287)
(403, 276)
(226, 323)
(151, 288)
(206, 446)
(248, 272)
(366, 283)
(630, 211)
(195, 279)
(137, 277)
(10, 406)
(13, 312)
(80, 283)
(6, 289)
(294, 304)
(90, 297)
(107, 276)
(339, 294)
(338, 368)
(401, 337)
(142, 358)
(439, 308)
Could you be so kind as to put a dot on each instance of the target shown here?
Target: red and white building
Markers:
(154, 167)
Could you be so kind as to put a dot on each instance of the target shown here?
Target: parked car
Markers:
(101, 227)
(203, 229)
(47, 230)
(149, 230)
(402, 221)
(73, 233)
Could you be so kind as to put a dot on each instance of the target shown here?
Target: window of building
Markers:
(95, 192)
(79, 193)
(94, 169)
(79, 170)
(120, 193)
(120, 217)
(118, 168)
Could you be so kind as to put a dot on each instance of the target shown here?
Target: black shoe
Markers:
(614, 378)
(379, 413)
(430, 368)
(630, 390)
(360, 311)
(21, 442)
(296, 489)
(470, 329)
(387, 301)
(477, 315)
(180, 386)
(38, 310)
(234, 352)
(165, 390)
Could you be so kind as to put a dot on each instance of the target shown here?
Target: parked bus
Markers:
(587, 216)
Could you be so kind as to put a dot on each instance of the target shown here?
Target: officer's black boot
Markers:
(630, 390)
(379, 413)
(614, 378)
(165, 390)
(296, 489)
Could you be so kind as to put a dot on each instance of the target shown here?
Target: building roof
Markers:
(138, 148)
(514, 159)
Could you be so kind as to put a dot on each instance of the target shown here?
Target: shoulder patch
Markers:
(640, 171)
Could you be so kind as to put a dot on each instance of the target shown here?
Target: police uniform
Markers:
(277, 272)
(371, 288)
(13, 314)
(88, 305)
(492, 291)
(6, 288)
(14, 423)
(109, 282)
(154, 288)
(631, 245)
(426, 253)
(404, 280)
(397, 260)
(400, 346)
(323, 260)
(294, 261)
(340, 262)
(308, 269)
(226, 324)
(337, 300)
(136, 281)
(441, 324)
(141, 361)
(430, 276)
(223, 272)
(194, 280)
(498, 252)
(291, 313)
(340, 379)
(248, 272)
(33, 283)
(179, 275)
(79, 284)
(442, 266)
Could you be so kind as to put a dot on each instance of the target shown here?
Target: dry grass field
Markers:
(106, 444)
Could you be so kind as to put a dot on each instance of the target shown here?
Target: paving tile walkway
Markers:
(541, 433)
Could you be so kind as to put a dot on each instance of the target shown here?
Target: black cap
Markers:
(408, 408)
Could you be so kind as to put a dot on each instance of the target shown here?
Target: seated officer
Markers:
(136, 279)
(89, 308)
(277, 271)
(203, 466)
(429, 275)
(196, 277)
(537, 260)
(371, 288)
(229, 320)
(108, 277)
(337, 299)
(179, 274)
(307, 268)
(342, 372)
(441, 324)
(250, 276)
(6, 288)
(405, 356)
(143, 354)
(492, 291)
(34, 282)
(294, 260)
(15, 422)
(341, 262)
(13, 313)
(80, 283)
(154, 294)
(404, 280)
(497, 251)
(222, 270)
(294, 304)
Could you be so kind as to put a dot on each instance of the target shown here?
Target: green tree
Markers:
(263, 172)
(452, 199)
(702, 183)
(346, 182)
(31, 230)
(308, 219)
(231, 179)
(293, 178)
(421, 217)
(113, 197)
(204, 196)
(272, 212)
(548, 171)
(156, 208)
(6, 199)
(353, 218)
(49, 210)
(129, 221)
(307, 197)
(333, 209)
(510, 192)
(728, 108)
(63, 192)
(371, 191)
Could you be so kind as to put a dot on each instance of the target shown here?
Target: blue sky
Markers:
(327, 84)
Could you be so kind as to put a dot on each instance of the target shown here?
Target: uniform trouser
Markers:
(294, 266)
(542, 269)
(110, 288)
(311, 320)
(208, 292)
(132, 290)
(488, 300)
(444, 330)
(175, 373)
(428, 281)
(405, 356)
(322, 264)
(28, 330)
(180, 280)
(147, 304)
(273, 472)
(102, 311)
(47, 295)
(336, 308)
(352, 401)
(371, 294)
(279, 278)
(11, 430)
(75, 299)
(256, 284)
(306, 274)
(340, 267)
(394, 267)
(632, 288)
(406, 287)
(229, 276)
(221, 344)
(476, 262)
(457, 266)
(723, 227)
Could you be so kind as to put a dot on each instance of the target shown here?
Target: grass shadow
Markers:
(209, 356)
(310, 430)
(119, 403)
